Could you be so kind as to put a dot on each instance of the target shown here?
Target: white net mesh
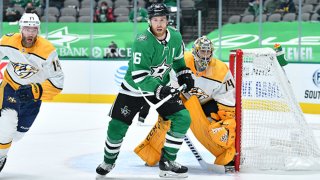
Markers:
(274, 133)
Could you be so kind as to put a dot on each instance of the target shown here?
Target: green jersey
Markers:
(152, 61)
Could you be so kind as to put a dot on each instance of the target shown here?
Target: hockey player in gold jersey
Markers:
(211, 104)
(33, 74)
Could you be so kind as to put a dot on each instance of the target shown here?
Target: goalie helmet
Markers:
(158, 9)
(202, 51)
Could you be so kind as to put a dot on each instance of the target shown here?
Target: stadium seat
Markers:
(87, 3)
(274, 17)
(305, 17)
(314, 2)
(122, 19)
(50, 18)
(39, 11)
(86, 11)
(289, 17)
(247, 18)
(187, 4)
(68, 11)
(316, 8)
(71, 3)
(264, 18)
(84, 19)
(315, 17)
(67, 19)
(307, 8)
(109, 2)
(234, 19)
(53, 11)
(296, 2)
(121, 11)
(121, 3)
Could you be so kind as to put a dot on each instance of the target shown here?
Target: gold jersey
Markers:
(37, 64)
(216, 82)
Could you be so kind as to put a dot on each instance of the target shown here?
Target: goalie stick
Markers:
(211, 167)
(156, 106)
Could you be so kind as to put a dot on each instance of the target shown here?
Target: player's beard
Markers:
(159, 31)
(28, 41)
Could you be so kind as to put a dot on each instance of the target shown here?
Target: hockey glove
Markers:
(163, 91)
(185, 77)
(29, 92)
(280, 55)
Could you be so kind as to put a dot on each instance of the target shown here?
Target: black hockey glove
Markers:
(163, 91)
(29, 92)
(184, 77)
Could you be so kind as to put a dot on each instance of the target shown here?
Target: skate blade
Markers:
(170, 174)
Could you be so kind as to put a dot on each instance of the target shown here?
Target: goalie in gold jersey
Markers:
(33, 74)
(211, 104)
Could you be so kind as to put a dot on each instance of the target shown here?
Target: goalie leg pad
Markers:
(226, 157)
(199, 126)
(149, 150)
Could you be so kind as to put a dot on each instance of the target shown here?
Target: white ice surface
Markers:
(67, 139)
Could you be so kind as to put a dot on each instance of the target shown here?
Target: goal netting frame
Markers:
(271, 131)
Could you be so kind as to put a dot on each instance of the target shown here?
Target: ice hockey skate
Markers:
(104, 168)
(172, 169)
(3, 161)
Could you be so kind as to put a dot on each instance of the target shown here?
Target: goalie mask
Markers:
(202, 50)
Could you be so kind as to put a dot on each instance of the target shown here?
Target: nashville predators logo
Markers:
(24, 70)
(199, 93)
(11, 100)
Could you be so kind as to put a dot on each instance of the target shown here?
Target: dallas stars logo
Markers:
(160, 70)
(125, 111)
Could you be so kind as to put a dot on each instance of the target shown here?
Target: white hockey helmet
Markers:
(29, 19)
(202, 51)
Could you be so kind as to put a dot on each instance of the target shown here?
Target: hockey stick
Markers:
(211, 167)
(156, 106)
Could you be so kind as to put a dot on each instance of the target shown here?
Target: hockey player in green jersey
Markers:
(155, 52)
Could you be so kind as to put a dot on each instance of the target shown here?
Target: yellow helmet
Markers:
(202, 51)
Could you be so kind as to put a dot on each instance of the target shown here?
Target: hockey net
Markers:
(272, 133)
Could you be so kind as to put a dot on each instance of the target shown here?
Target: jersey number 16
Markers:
(136, 58)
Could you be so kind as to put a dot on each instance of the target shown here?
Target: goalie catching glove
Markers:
(185, 77)
(163, 91)
(29, 92)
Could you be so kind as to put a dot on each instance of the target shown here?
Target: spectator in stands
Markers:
(30, 9)
(149, 2)
(11, 14)
(142, 14)
(254, 7)
(286, 6)
(318, 11)
(23, 3)
(104, 13)
(271, 6)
